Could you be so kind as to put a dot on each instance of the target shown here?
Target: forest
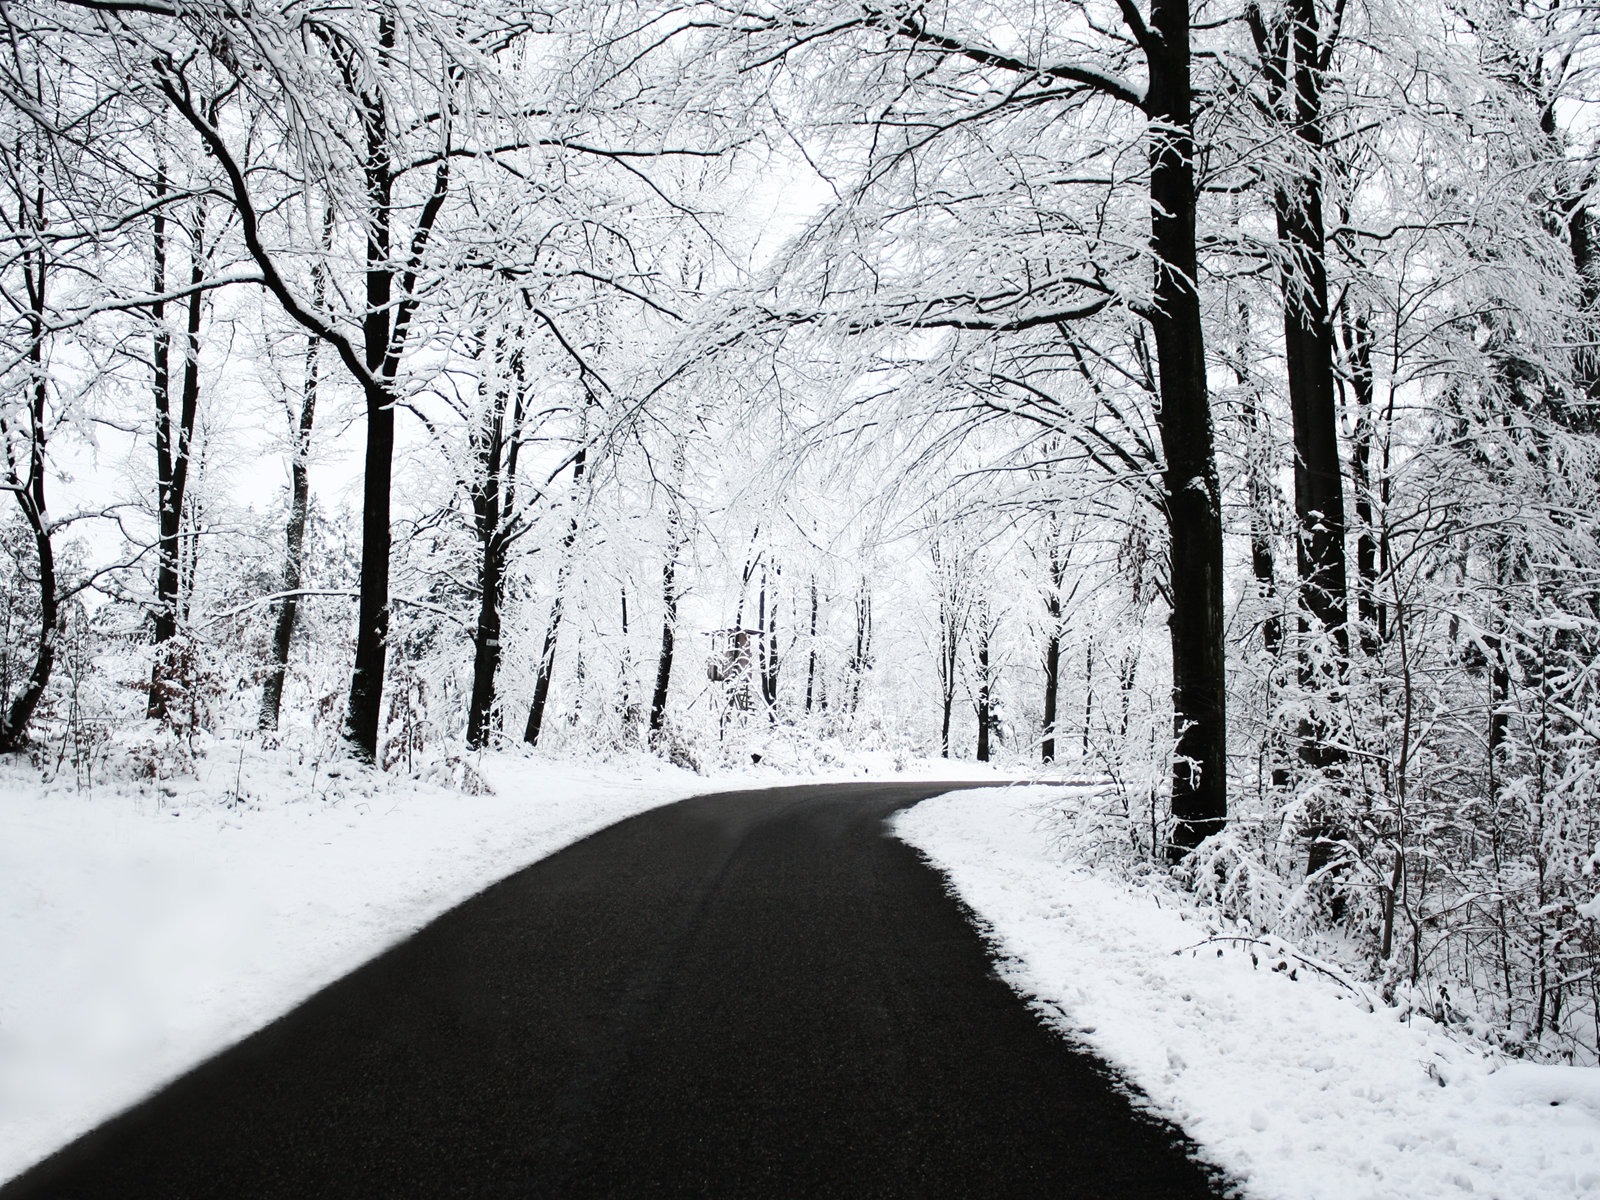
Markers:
(1201, 396)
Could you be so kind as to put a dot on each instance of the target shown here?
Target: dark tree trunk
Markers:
(761, 642)
(294, 550)
(299, 507)
(1088, 697)
(380, 351)
(625, 677)
(1292, 57)
(1308, 331)
(949, 648)
(493, 492)
(772, 641)
(1193, 493)
(861, 661)
(1581, 233)
(14, 720)
(174, 448)
(1052, 647)
(1370, 612)
(811, 649)
(547, 667)
(486, 646)
(669, 626)
(984, 711)
(488, 519)
(372, 608)
(767, 650)
(1262, 505)
(29, 492)
(552, 628)
(1052, 679)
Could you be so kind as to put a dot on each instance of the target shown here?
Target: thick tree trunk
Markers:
(1308, 337)
(29, 491)
(1193, 493)
(365, 712)
(14, 720)
(491, 492)
(1291, 56)
(486, 644)
(547, 667)
(372, 610)
(761, 643)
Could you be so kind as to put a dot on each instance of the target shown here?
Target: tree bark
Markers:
(669, 626)
(1292, 58)
(30, 495)
(669, 603)
(1192, 490)
(493, 492)
(984, 711)
(372, 608)
(1263, 494)
(486, 640)
(299, 505)
(1372, 623)
(1052, 646)
(811, 648)
(861, 661)
(1052, 681)
(174, 449)
(767, 647)
(552, 629)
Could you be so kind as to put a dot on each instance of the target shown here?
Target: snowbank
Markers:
(1285, 1079)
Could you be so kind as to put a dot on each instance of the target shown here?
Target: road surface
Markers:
(748, 994)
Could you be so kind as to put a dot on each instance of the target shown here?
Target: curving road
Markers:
(748, 994)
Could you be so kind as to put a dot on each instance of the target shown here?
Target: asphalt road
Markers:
(749, 994)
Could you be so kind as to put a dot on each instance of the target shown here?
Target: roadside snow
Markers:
(141, 934)
(1290, 1085)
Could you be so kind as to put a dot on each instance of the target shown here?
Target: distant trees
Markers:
(439, 164)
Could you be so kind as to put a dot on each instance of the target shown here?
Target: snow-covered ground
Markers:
(1283, 1076)
(143, 930)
